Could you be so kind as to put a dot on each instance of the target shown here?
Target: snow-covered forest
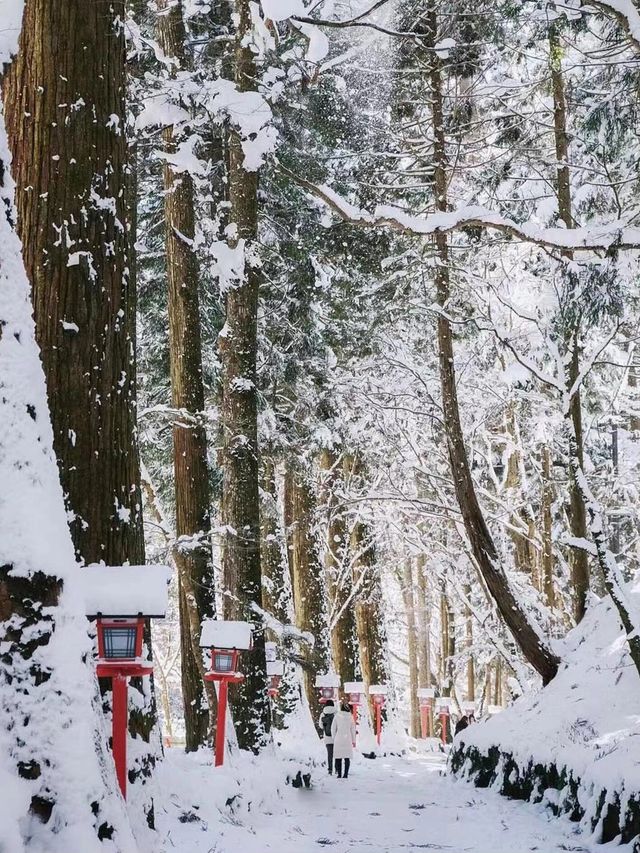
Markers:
(319, 383)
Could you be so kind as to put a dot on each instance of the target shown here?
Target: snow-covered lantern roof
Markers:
(495, 709)
(469, 708)
(328, 684)
(120, 599)
(442, 705)
(426, 696)
(355, 690)
(275, 671)
(378, 693)
(226, 639)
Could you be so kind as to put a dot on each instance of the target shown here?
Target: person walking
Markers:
(343, 732)
(462, 724)
(326, 722)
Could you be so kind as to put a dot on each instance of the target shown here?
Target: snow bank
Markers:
(585, 723)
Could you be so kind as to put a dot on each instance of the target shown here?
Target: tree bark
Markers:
(337, 572)
(192, 554)
(238, 353)
(523, 630)
(306, 577)
(65, 104)
(578, 520)
(471, 669)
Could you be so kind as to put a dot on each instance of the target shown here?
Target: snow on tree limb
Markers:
(615, 235)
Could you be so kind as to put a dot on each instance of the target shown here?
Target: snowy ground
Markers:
(387, 805)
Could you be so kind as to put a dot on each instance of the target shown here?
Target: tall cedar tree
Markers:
(191, 477)
(65, 107)
(484, 550)
(238, 353)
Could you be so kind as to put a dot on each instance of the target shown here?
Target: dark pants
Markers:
(330, 757)
(347, 765)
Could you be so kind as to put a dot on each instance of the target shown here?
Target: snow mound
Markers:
(588, 718)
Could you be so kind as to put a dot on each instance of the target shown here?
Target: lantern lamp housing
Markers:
(119, 639)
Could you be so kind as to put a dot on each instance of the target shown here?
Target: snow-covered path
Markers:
(386, 806)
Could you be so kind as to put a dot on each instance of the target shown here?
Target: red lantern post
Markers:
(426, 697)
(442, 708)
(355, 690)
(121, 599)
(378, 693)
(226, 640)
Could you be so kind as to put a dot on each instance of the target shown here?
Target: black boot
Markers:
(338, 763)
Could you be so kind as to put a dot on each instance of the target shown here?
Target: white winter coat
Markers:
(343, 732)
(327, 711)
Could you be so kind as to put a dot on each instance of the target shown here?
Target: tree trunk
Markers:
(193, 556)
(547, 527)
(579, 559)
(337, 571)
(471, 670)
(65, 104)
(422, 619)
(412, 647)
(238, 353)
(526, 635)
(306, 578)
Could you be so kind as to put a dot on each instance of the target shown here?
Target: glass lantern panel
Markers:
(223, 661)
(120, 642)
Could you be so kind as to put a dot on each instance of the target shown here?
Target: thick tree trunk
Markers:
(486, 555)
(238, 352)
(412, 648)
(306, 578)
(65, 104)
(64, 99)
(275, 590)
(337, 571)
(193, 556)
(579, 559)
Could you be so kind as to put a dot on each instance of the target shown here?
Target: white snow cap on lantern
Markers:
(442, 703)
(425, 693)
(275, 667)
(495, 709)
(378, 690)
(354, 687)
(328, 679)
(124, 590)
(223, 634)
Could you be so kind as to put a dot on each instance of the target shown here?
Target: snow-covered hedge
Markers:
(573, 745)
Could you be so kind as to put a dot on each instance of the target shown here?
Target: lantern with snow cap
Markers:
(355, 690)
(121, 599)
(328, 684)
(378, 693)
(226, 640)
(442, 709)
(275, 671)
(426, 697)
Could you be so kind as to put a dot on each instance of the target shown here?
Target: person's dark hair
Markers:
(345, 706)
(329, 703)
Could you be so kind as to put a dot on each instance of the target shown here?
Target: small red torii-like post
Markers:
(226, 639)
(378, 693)
(121, 599)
